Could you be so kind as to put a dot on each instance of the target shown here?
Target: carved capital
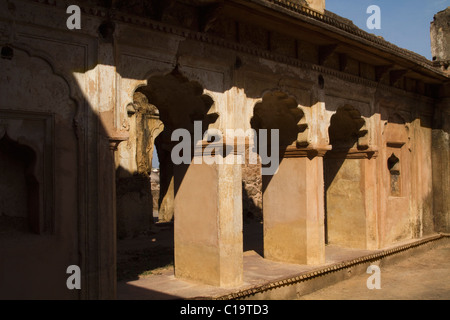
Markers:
(353, 153)
(309, 152)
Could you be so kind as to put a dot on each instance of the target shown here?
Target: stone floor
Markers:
(145, 270)
(421, 277)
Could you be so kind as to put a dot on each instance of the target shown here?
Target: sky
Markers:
(155, 160)
(405, 23)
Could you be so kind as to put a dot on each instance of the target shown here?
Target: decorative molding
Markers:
(45, 152)
(325, 53)
(354, 30)
(381, 71)
(236, 148)
(308, 152)
(209, 15)
(395, 144)
(343, 62)
(115, 141)
(265, 54)
(396, 75)
(58, 71)
(353, 153)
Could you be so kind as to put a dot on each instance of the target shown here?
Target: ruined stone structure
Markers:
(364, 136)
(440, 39)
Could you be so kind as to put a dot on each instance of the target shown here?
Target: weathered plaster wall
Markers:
(345, 209)
(133, 168)
(30, 87)
(13, 187)
(440, 36)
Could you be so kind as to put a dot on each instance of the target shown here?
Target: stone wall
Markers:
(441, 166)
(440, 36)
(155, 187)
(252, 191)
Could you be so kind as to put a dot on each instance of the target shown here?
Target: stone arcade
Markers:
(364, 136)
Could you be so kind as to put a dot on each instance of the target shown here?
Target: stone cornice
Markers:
(353, 30)
(309, 152)
(261, 53)
(353, 153)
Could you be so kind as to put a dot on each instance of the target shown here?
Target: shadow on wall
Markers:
(154, 250)
(146, 254)
(134, 203)
(252, 224)
(83, 177)
(17, 167)
(277, 111)
(345, 130)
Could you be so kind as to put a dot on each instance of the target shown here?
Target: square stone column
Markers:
(208, 223)
(293, 208)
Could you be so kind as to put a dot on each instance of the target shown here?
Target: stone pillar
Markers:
(208, 223)
(293, 208)
(440, 157)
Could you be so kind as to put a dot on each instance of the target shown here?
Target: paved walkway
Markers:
(421, 277)
(145, 270)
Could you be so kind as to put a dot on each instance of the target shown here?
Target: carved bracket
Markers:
(325, 52)
(343, 62)
(381, 71)
(209, 15)
(396, 75)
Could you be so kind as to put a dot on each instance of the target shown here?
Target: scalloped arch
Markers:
(68, 79)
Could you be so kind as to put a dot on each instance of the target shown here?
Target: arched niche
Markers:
(396, 130)
(394, 167)
(19, 188)
(397, 179)
(41, 110)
